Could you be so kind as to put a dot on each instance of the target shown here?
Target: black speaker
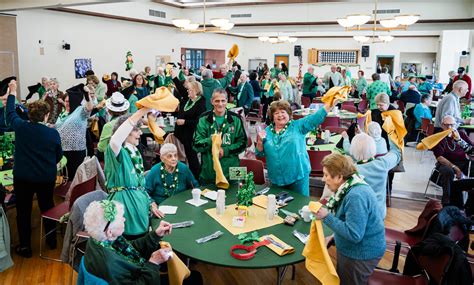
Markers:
(66, 46)
(365, 51)
(297, 50)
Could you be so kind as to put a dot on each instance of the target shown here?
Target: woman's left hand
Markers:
(321, 214)
(156, 212)
(164, 229)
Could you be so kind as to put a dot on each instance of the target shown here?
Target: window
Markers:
(194, 58)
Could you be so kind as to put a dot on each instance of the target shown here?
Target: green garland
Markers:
(123, 248)
(335, 200)
(169, 189)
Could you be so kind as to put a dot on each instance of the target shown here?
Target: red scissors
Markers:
(250, 250)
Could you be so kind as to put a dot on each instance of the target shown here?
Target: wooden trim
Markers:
(264, 2)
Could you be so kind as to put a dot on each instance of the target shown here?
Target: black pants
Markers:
(192, 157)
(265, 101)
(452, 190)
(24, 192)
(74, 159)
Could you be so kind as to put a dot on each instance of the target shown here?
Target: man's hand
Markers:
(456, 135)
(160, 256)
(458, 172)
(164, 229)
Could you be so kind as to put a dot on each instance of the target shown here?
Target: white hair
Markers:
(207, 73)
(460, 84)
(95, 222)
(363, 147)
(448, 117)
(374, 130)
(167, 148)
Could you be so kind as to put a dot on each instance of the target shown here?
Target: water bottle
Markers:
(220, 202)
(271, 206)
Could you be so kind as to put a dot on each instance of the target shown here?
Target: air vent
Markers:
(156, 13)
(388, 11)
(241, 16)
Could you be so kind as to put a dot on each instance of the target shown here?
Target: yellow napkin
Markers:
(262, 201)
(95, 128)
(431, 141)
(395, 127)
(288, 249)
(221, 181)
(318, 261)
(162, 100)
(267, 86)
(177, 270)
(336, 93)
(233, 52)
(157, 132)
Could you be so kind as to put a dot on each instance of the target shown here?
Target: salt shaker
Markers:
(220, 202)
(327, 135)
(271, 206)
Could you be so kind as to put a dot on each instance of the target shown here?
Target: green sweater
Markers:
(234, 142)
(308, 81)
(116, 269)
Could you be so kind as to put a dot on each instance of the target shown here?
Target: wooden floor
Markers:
(402, 215)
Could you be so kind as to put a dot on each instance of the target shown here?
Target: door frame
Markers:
(287, 55)
(386, 56)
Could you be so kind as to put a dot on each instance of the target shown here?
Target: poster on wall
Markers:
(161, 61)
(81, 65)
(410, 69)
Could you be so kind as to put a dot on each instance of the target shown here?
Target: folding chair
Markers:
(315, 158)
(330, 121)
(256, 166)
(60, 210)
(305, 101)
(363, 104)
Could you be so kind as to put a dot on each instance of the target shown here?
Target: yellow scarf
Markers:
(433, 140)
(221, 181)
(233, 52)
(318, 262)
(158, 133)
(393, 125)
(177, 270)
(336, 93)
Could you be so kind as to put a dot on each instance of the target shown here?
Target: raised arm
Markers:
(311, 122)
(119, 137)
(12, 117)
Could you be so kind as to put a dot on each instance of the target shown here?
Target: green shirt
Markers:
(234, 142)
(308, 81)
(128, 188)
(361, 85)
(374, 89)
(105, 135)
(41, 91)
(133, 107)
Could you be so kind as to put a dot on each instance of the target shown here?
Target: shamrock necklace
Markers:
(216, 125)
(277, 136)
(169, 189)
(190, 104)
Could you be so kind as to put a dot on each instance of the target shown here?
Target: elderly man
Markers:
(309, 84)
(375, 88)
(243, 92)
(209, 84)
(464, 77)
(333, 78)
(450, 154)
(449, 105)
(234, 138)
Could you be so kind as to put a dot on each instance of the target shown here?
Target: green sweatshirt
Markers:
(210, 84)
(308, 81)
(234, 141)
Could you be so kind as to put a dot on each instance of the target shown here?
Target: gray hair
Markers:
(363, 147)
(167, 148)
(374, 130)
(448, 117)
(207, 73)
(382, 98)
(460, 84)
(95, 222)
(122, 120)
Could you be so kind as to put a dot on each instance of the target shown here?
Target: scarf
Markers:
(335, 200)
(123, 248)
(136, 158)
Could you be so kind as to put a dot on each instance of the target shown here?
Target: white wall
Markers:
(105, 41)
(451, 46)
(257, 49)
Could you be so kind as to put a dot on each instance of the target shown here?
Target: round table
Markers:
(217, 251)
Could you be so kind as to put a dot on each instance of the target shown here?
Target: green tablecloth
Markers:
(216, 251)
(331, 146)
(471, 127)
(342, 114)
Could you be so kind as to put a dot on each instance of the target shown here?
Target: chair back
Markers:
(435, 267)
(424, 125)
(347, 104)
(350, 108)
(363, 104)
(297, 117)
(430, 130)
(86, 278)
(256, 166)
(305, 101)
(81, 189)
(263, 160)
(330, 121)
(315, 158)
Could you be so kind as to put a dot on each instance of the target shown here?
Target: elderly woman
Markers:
(111, 257)
(191, 106)
(124, 174)
(72, 127)
(285, 88)
(170, 176)
(284, 146)
(37, 151)
(374, 167)
(55, 100)
(355, 217)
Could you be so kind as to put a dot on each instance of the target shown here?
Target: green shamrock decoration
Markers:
(110, 210)
(247, 192)
(244, 238)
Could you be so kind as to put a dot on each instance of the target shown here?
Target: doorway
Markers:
(279, 58)
(385, 61)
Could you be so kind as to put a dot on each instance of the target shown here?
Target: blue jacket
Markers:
(286, 154)
(420, 112)
(358, 227)
(37, 148)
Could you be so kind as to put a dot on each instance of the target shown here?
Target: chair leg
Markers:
(396, 256)
(293, 272)
(41, 242)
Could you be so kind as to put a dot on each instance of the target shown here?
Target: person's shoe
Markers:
(23, 251)
(52, 244)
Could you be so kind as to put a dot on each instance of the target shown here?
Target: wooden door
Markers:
(279, 58)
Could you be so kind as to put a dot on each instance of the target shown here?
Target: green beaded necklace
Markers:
(169, 189)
